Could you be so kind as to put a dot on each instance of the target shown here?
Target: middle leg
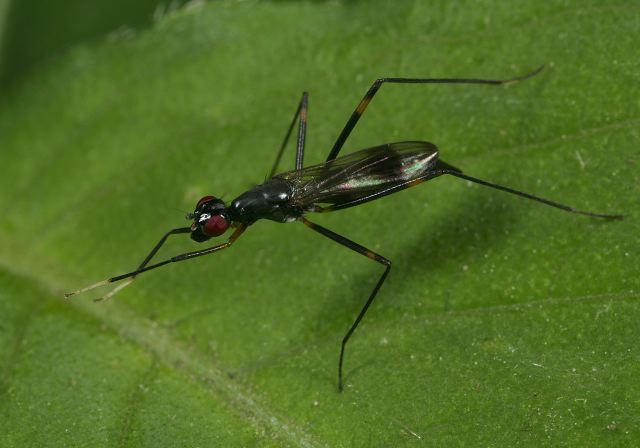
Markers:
(362, 251)
(301, 111)
(362, 105)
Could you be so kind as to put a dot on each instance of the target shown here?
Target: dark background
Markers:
(35, 29)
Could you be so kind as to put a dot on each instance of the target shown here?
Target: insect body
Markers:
(338, 183)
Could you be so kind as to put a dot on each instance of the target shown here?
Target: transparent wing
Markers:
(360, 174)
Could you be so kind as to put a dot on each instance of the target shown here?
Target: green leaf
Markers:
(502, 322)
(32, 30)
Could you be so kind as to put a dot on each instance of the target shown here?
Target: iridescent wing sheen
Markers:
(360, 174)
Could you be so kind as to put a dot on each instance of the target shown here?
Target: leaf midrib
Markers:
(156, 341)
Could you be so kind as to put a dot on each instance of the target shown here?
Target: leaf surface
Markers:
(502, 322)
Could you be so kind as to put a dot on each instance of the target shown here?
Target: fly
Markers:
(338, 183)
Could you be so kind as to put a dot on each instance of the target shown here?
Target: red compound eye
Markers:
(215, 226)
(204, 200)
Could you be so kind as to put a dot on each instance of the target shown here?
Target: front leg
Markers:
(144, 267)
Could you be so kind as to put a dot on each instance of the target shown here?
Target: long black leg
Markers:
(145, 261)
(161, 242)
(301, 111)
(367, 253)
(148, 258)
(302, 130)
(566, 208)
(355, 116)
(454, 172)
(181, 257)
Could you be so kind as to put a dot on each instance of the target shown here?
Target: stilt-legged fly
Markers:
(336, 184)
